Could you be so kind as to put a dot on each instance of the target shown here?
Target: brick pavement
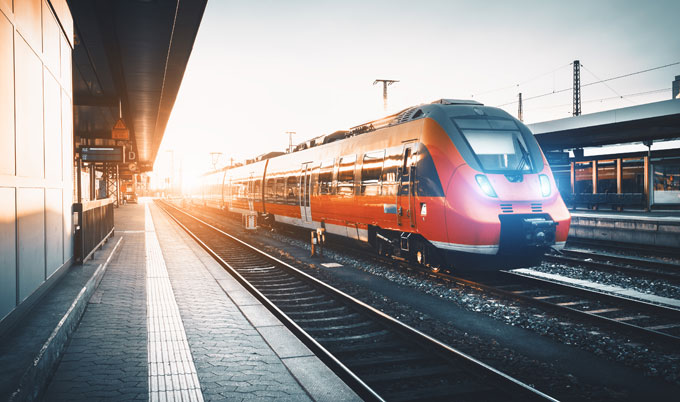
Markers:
(239, 350)
(232, 359)
(106, 358)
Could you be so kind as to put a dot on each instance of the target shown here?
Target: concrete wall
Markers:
(640, 230)
(36, 146)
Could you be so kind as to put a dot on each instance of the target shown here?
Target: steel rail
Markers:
(506, 382)
(569, 289)
(627, 247)
(631, 265)
(596, 319)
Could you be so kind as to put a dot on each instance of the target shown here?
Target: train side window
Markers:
(292, 190)
(315, 180)
(235, 188)
(393, 159)
(269, 190)
(326, 177)
(280, 194)
(256, 190)
(371, 170)
(346, 175)
(242, 189)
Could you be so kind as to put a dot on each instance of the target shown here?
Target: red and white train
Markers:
(435, 183)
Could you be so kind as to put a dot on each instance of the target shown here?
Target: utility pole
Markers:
(385, 83)
(290, 140)
(214, 158)
(520, 115)
(577, 88)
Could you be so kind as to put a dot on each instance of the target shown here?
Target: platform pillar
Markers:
(594, 167)
(572, 174)
(646, 181)
(619, 176)
(93, 181)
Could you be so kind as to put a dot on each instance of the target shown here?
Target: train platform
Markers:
(647, 228)
(153, 317)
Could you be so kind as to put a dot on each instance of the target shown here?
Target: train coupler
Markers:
(526, 231)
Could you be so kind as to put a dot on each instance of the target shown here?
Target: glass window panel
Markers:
(280, 195)
(270, 194)
(666, 182)
(371, 171)
(606, 176)
(583, 173)
(393, 160)
(326, 177)
(346, 174)
(292, 189)
(472, 123)
(633, 176)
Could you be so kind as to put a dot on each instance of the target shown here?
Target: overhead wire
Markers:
(630, 74)
(522, 82)
(607, 85)
(604, 99)
(592, 83)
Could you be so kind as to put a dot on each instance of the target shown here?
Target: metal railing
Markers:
(94, 225)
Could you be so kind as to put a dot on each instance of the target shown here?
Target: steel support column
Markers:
(619, 176)
(646, 182)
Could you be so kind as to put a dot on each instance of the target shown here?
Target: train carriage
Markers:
(433, 183)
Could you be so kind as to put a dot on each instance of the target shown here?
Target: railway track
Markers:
(380, 357)
(626, 248)
(645, 267)
(635, 317)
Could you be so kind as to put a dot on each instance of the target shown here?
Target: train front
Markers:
(501, 196)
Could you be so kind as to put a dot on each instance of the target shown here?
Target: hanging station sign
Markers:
(101, 154)
(120, 131)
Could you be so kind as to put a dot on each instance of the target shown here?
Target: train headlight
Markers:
(545, 185)
(485, 185)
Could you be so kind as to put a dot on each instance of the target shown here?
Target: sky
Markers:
(261, 68)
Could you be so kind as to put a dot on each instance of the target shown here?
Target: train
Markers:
(438, 184)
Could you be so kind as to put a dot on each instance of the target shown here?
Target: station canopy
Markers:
(130, 55)
(648, 122)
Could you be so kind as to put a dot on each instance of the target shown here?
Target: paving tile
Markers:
(223, 343)
(100, 354)
(152, 334)
(259, 316)
(284, 343)
(321, 383)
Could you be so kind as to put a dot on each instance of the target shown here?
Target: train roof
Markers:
(403, 116)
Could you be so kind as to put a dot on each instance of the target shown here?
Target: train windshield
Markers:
(498, 145)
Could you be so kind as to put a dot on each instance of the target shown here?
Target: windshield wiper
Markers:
(525, 159)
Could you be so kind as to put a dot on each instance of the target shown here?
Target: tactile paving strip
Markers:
(172, 374)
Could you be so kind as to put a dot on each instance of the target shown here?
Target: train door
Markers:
(305, 190)
(251, 195)
(223, 188)
(230, 194)
(405, 190)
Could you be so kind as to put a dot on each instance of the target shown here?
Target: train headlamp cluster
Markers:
(545, 185)
(485, 185)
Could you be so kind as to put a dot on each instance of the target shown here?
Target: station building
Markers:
(626, 158)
